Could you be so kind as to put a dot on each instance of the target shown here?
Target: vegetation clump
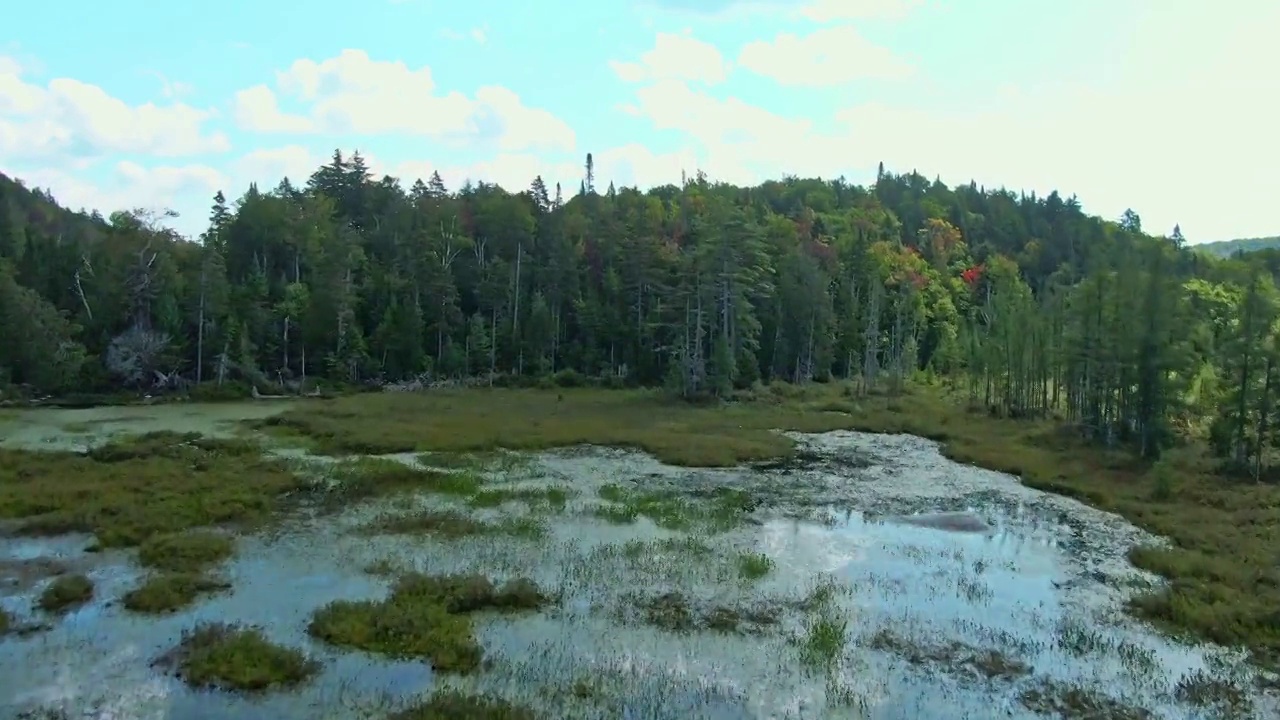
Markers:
(550, 498)
(424, 617)
(670, 509)
(753, 566)
(188, 552)
(369, 477)
(674, 612)
(452, 525)
(1066, 701)
(231, 657)
(951, 656)
(455, 705)
(824, 639)
(171, 591)
(6, 622)
(66, 592)
(129, 491)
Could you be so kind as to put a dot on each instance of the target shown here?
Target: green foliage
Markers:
(238, 658)
(424, 617)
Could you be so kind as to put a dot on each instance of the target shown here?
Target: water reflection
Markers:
(920, 604)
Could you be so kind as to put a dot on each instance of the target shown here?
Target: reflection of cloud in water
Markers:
(1046, 568)
(96, 692)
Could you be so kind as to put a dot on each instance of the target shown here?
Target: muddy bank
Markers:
(755, 592)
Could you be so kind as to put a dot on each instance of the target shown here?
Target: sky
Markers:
(1169, 107)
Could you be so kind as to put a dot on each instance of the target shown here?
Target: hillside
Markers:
(1229, 248)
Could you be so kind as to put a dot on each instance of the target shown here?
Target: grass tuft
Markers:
(424, 617)
(723, 509)
(186, 552)
(66, 592)
(171, 591)
(452, 525)
(454, 705)
(231, 657)
(753, 566)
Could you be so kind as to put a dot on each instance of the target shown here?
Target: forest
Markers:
(1024, 306)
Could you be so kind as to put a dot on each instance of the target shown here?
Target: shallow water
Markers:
(83, 428)
(1045, 587)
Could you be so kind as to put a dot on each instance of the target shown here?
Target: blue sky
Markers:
(1160, 106)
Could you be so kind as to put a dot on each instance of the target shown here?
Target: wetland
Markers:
(593, 554)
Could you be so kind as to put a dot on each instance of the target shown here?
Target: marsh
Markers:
(619, 561)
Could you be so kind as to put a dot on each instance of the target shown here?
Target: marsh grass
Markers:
(951, 656)
(753, 566)
(1055, 699)
(168, 592)
(424, 617)
(188, 552)
(65, 593)
(481, 420)
(722, 509)
(675, 612)
(550, 498)
(233, 657)
(824, 639)
(365, 478)
(452, 525)
(128, 491)
(455, 705)
(1204, 690)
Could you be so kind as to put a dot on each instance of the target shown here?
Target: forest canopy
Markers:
(1027, 304)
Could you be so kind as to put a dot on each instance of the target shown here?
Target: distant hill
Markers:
(1228, 248)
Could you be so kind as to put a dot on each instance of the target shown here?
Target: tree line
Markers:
(1026, 304)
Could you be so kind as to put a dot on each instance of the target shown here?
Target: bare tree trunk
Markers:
(200, 331)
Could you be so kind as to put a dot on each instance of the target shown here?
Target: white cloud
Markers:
(256, 108)
(268, 166)
(825, 11)
(675, 57)
(819, 11)
(352, 94)
(172, 89)
(674, 105)
(825, 57)
(69, 120)
(130, 185)
(1172, 162)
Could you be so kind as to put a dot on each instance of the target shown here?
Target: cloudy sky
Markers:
(1166, 106)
